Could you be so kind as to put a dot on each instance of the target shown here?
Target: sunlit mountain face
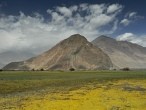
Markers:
(74, 52)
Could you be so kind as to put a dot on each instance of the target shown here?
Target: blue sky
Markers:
(13, 7)
(40, 24)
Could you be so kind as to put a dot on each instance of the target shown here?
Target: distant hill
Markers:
(74, 52)
(122, 53)
(10, 56)
(1, 65)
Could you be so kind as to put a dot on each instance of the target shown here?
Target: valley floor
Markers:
(121, 94)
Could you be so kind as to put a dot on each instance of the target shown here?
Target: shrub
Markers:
(41, 69)
(1, 70)
(114, 69)
(72, 69)
(32, 70)
(126, 69)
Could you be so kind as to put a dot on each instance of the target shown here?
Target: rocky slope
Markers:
(74, 52)
(122, 53)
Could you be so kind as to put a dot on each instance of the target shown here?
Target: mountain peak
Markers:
(122, 53)
(103, 37)
(77, 37)
(74, 40)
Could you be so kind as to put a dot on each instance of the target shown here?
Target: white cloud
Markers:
(36, 34)
(126, 37)
(132, 14)
(101, 20)
(65, 11)
(125, 22)
(97, 9)
(130, 18)
(83, 6)
(114, 7)
(74, 8)
(141, 40)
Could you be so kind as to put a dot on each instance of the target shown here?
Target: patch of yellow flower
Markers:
(113, 95)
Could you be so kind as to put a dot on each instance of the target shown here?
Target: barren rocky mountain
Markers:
(122, 53)
(74, 52)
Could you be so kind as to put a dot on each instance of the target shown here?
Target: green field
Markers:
(21, 81)
(58, 90)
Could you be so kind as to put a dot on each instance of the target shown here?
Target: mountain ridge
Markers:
(122, 53)
(77, 52)
(74, 52)
(11, 56)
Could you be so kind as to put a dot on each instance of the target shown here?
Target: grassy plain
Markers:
(84, 90)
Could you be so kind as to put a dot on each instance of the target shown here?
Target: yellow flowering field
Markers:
(96, 91)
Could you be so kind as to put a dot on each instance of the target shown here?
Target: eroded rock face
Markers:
(74, 52)
(122, 53)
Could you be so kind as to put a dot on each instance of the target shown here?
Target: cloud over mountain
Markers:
(141, 40)
(36, 33)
